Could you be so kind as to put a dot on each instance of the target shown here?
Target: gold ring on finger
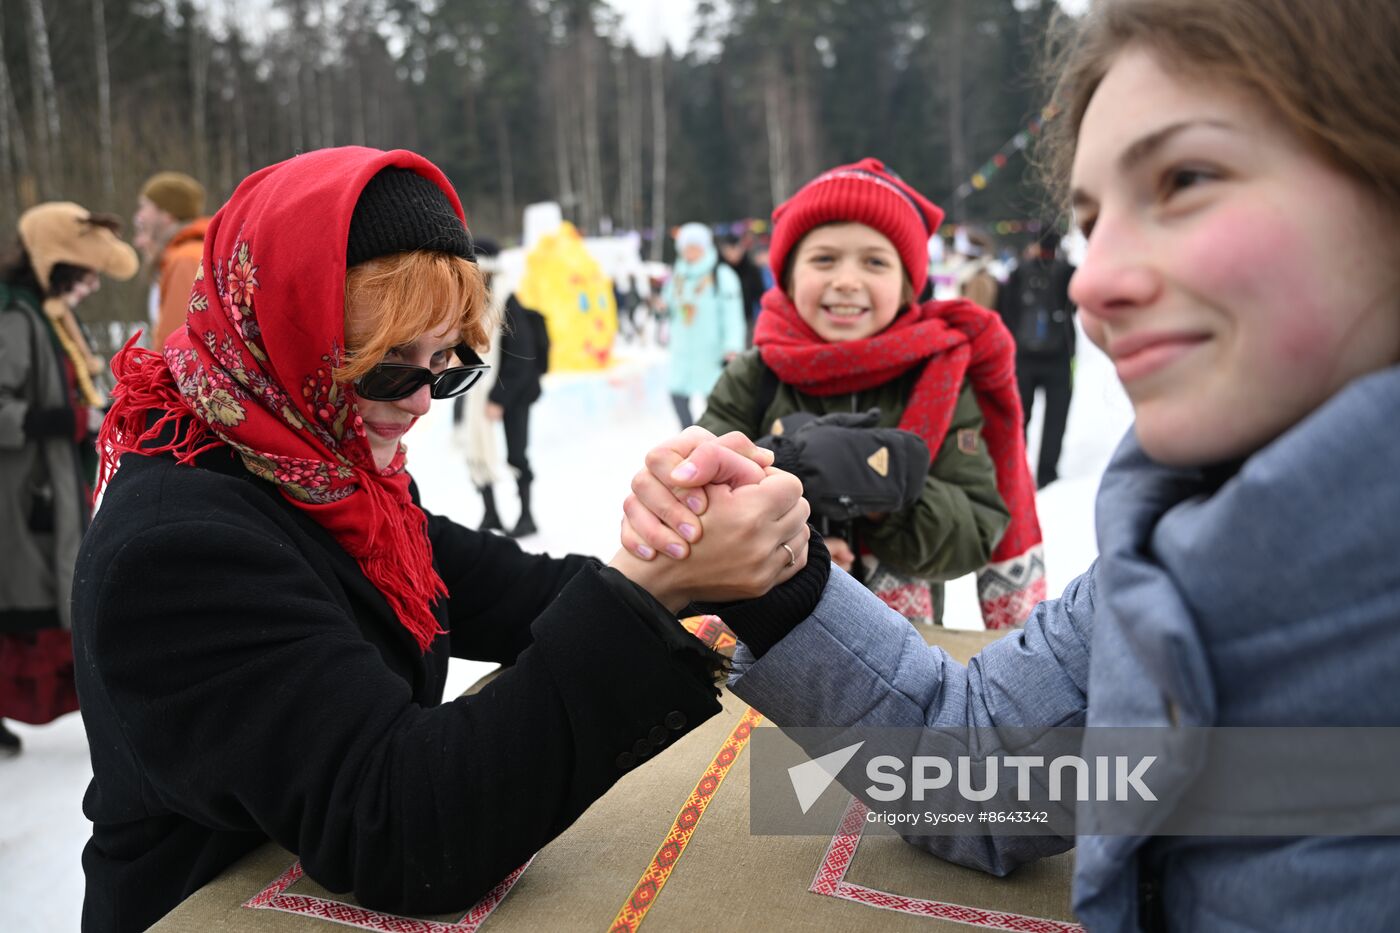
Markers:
(792, 557)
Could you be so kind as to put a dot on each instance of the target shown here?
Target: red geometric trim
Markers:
(711, 631)
(830, 881)
(273, 897)
(649, 886)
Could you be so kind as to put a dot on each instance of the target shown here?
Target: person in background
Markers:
(705, 304)
(760, 259)
(169, 229)
(734, 250)
(524, 359)
(975, 280)
(626, 298)
(1035, 303)
(50, 407)
(479, 431)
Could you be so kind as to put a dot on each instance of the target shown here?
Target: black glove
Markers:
(847, 465)
(48, 422)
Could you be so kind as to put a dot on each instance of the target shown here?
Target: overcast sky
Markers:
(649, 21)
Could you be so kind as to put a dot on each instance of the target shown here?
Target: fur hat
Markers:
(863, 192)
(176, 193)
(61, 231)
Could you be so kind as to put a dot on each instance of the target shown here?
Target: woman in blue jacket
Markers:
(706, 305)
(1242, 210)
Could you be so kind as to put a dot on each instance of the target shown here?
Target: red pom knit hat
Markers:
(863, 192)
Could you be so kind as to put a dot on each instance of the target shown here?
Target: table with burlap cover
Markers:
(669, 848)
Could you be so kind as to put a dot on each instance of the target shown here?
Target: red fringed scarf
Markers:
(251, 370)
(951, 341)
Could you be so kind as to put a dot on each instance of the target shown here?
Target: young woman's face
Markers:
(84, 287)
(847, 281)
(387, 422)
(1236, 280)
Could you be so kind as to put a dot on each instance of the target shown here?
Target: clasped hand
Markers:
(710, 520)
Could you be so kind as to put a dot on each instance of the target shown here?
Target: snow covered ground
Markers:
(589, 435)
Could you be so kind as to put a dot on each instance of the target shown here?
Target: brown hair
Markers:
(412, 293)
(1328, 68)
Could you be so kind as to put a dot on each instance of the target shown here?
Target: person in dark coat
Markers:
(1036, 308)
(524, 359)
(263, 612)
(734, 250)
(50, 403)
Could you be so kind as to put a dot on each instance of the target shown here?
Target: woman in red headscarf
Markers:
(263, 613)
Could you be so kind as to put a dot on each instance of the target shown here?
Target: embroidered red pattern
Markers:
(274, 897)
(830, 881)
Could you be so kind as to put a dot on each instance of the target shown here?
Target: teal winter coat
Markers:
(706, 306)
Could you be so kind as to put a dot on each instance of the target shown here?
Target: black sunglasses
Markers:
(389, 382)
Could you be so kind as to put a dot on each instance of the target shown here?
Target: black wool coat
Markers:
(523, 358)
(241, 680)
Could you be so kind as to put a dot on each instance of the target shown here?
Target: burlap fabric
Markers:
(723, 878)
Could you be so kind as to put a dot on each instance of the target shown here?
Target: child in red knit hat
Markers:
(841, 333)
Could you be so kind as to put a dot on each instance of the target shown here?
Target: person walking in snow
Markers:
(705, 304)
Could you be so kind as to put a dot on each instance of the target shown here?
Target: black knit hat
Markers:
(400, 211)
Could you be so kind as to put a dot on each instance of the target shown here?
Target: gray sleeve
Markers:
(855, 662)
(15, 348)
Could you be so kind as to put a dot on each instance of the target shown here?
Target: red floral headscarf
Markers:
(252, 370)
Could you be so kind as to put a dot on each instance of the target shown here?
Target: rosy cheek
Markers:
(1298, 341)
(1224, 254)
(1244, 249)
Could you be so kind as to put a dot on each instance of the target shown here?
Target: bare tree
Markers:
(563, 151)
(104, 101)
(626, 146)
(48, 132)
(775, 111)
(12, 141)
(293, 108)
(658, 154)
(592, 146)
(325, 35)
(242, 155)
(504, 163)
(806, 155)
(953, 82)
(199, 95)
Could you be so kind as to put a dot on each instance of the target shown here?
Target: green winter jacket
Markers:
(960, 517)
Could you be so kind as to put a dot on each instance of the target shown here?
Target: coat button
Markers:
(659, 736)
(675, 720)
(641, 748)
(626, 761)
